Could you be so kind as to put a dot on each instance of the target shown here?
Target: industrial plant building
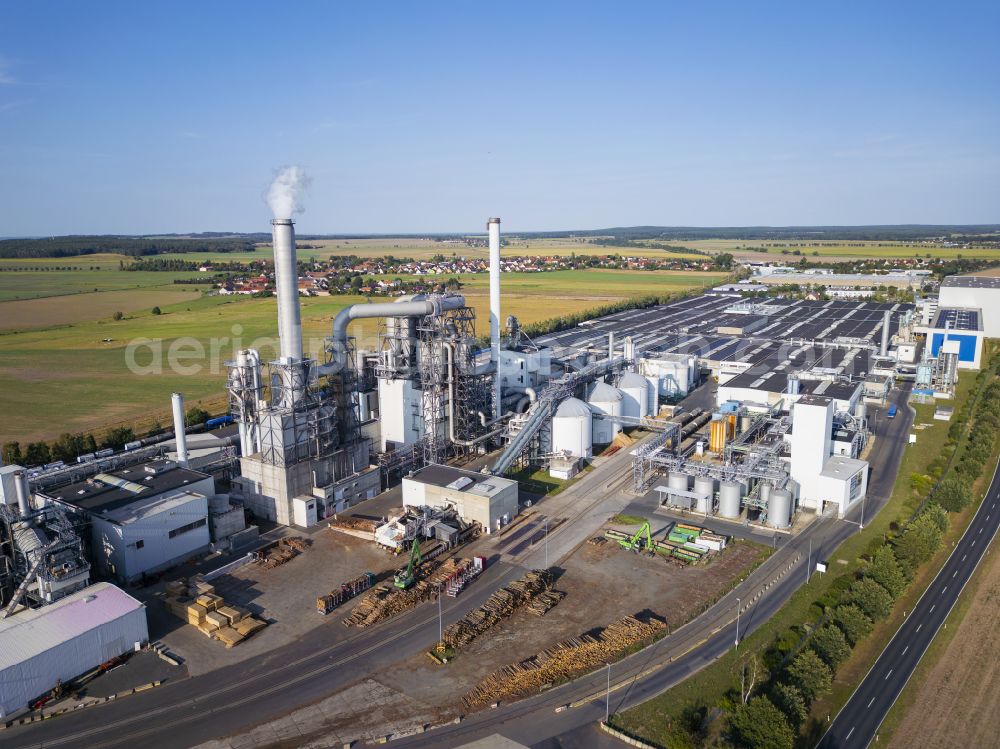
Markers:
(142, 519)
(787, 430)
(974, 292)
(490, 501)
(39, 647)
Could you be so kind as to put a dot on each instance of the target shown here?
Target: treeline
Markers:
(885, 233)
(68, 447)
(623, 242)
(174, 265)
(772, 694)
(73, 246)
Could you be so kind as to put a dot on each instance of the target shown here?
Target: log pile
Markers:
(563, 661)
(354, 524)
(283, 550)
(540, 604)
(385, 601)
(502, 604)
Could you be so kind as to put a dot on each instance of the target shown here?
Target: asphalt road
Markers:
(235, 698)
(858, 722)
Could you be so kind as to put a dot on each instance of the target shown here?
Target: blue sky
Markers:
(143, 117)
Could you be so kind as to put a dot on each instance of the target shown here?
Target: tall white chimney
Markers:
(286, 281)
(493, 226)
(180, 435)
(611, 345)
(886, 319)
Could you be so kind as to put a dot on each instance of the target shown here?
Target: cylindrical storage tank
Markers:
(793, 488)
(605, 399)
(717, 435)
(704, 487)
(635, 392)
(571, 428)
(730, 496)
(861, 411)
(765, 490)
(653, 388)
(779, 508)
(679, 480)
(744, 423)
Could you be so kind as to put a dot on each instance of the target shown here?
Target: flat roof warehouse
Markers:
(692, 326)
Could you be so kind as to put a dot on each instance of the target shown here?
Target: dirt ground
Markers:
(958, 703)
(602, 584)
(285, 596)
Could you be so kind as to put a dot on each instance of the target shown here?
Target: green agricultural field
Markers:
(70, 378)
(32, 285)
(424, 249)
(839, 250)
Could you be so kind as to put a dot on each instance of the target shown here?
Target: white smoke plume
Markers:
(285, 193)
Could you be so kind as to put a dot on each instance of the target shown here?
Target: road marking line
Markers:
(888, 675)
(849, 733)
(964, 556)
(932, 609)
(870, 703)
(919, 626)
(945, 590)
(904, 650)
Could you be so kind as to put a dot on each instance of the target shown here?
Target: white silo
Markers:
(605, 399)
(653, 388)
(571, 428)
(635, 390)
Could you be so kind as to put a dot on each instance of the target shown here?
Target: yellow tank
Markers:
(717, 435)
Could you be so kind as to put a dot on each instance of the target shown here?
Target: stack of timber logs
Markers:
(502, 604)
(564, 661)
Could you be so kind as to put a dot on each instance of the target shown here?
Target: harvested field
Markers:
(964, 683)
(72, 308)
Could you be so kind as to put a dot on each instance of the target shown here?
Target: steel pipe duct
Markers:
(433, 305)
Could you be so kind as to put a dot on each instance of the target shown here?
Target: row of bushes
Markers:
(800, 664)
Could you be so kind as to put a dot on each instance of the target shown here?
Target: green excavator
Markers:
(406, 577)
(641, 540)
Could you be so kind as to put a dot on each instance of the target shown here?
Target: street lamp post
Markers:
(607, 701)
(546, 543)
(809, 561)
(739, 604)
(440, 617)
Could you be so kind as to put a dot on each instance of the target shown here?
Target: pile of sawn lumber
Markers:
(502, 604)
(566, 660)
(385, 600)
(284, 550)
(196, 602)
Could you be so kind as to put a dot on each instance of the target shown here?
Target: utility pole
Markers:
(440, 617)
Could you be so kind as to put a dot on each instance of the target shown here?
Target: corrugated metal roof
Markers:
(32, 632)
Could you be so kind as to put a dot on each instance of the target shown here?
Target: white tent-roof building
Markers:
(64, 640)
